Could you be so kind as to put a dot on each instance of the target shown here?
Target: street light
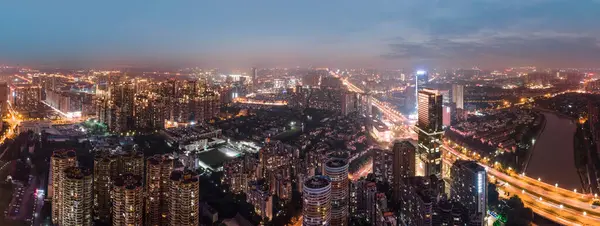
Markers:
(556, 185)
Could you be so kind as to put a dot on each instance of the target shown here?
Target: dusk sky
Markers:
(348, 33)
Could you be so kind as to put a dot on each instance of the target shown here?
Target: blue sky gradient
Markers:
(350, 33)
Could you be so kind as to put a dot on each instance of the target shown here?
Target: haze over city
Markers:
(386, 34)
(312, 113)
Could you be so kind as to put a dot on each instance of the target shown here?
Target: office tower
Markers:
(105, 167)
(350, 103)
(316, 201)
(369, 200)
(131, 162)
(254, 79)
(419, 195)
(77, 198)
(403, 164)
(422, 77)
(59, 162)
(383, 165)
(469, 187)
(183, 198)
(458, 95)
(128, 200)
(158, 171)
(337, 171)
(429, 128)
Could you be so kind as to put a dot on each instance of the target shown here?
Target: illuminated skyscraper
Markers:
(316, 197)
(105, 168)
(158, 170)
(337, 171)
(469, 187)
(458, 95)
(77, 198)
(131, 162)
(254, 79)
(429, 128)
(128, 200)
(59, 162)
(184, 199)
(403, 165)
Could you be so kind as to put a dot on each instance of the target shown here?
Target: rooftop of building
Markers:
(64, 153)
(158, 159)
(472, 165)
(317, 182)
(336, 163)
(128, 181)
(184, 176)
(77, 172)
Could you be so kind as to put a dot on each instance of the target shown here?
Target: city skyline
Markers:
(270, 33)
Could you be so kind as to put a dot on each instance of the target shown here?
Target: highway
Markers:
(573, 211)
(555, 203)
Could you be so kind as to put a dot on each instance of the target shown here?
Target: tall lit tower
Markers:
(60, 160)
(421, 78)
(77, 199)
(184, 198)
(158, 171)
(458, 95)
(403, 165)
(429, 129)
(128, 200)
(104, 169)
(254, 81)
(337, 171)
(316, 197)
(469, 187)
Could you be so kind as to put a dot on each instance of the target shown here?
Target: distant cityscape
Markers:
(300, 146)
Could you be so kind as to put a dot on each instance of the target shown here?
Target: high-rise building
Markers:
(429, 129)
(158, 171)
(184, 198)
(422, 77)
(469, 187)
(419, 195)
(131, 162)
(105, 168)
(59, 162)
(316, 201)
(259, 196)
(26, 97)
(128, 200)
(77, 198)
(403, 165)
(254, 79)
(337, 171)
(3, 98)
(383, 165)
(458, 95)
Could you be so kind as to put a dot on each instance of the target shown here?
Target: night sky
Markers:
(344, 33)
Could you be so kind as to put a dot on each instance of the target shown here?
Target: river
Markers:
(552, 157)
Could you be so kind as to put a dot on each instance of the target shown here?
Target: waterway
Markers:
(552, 157)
